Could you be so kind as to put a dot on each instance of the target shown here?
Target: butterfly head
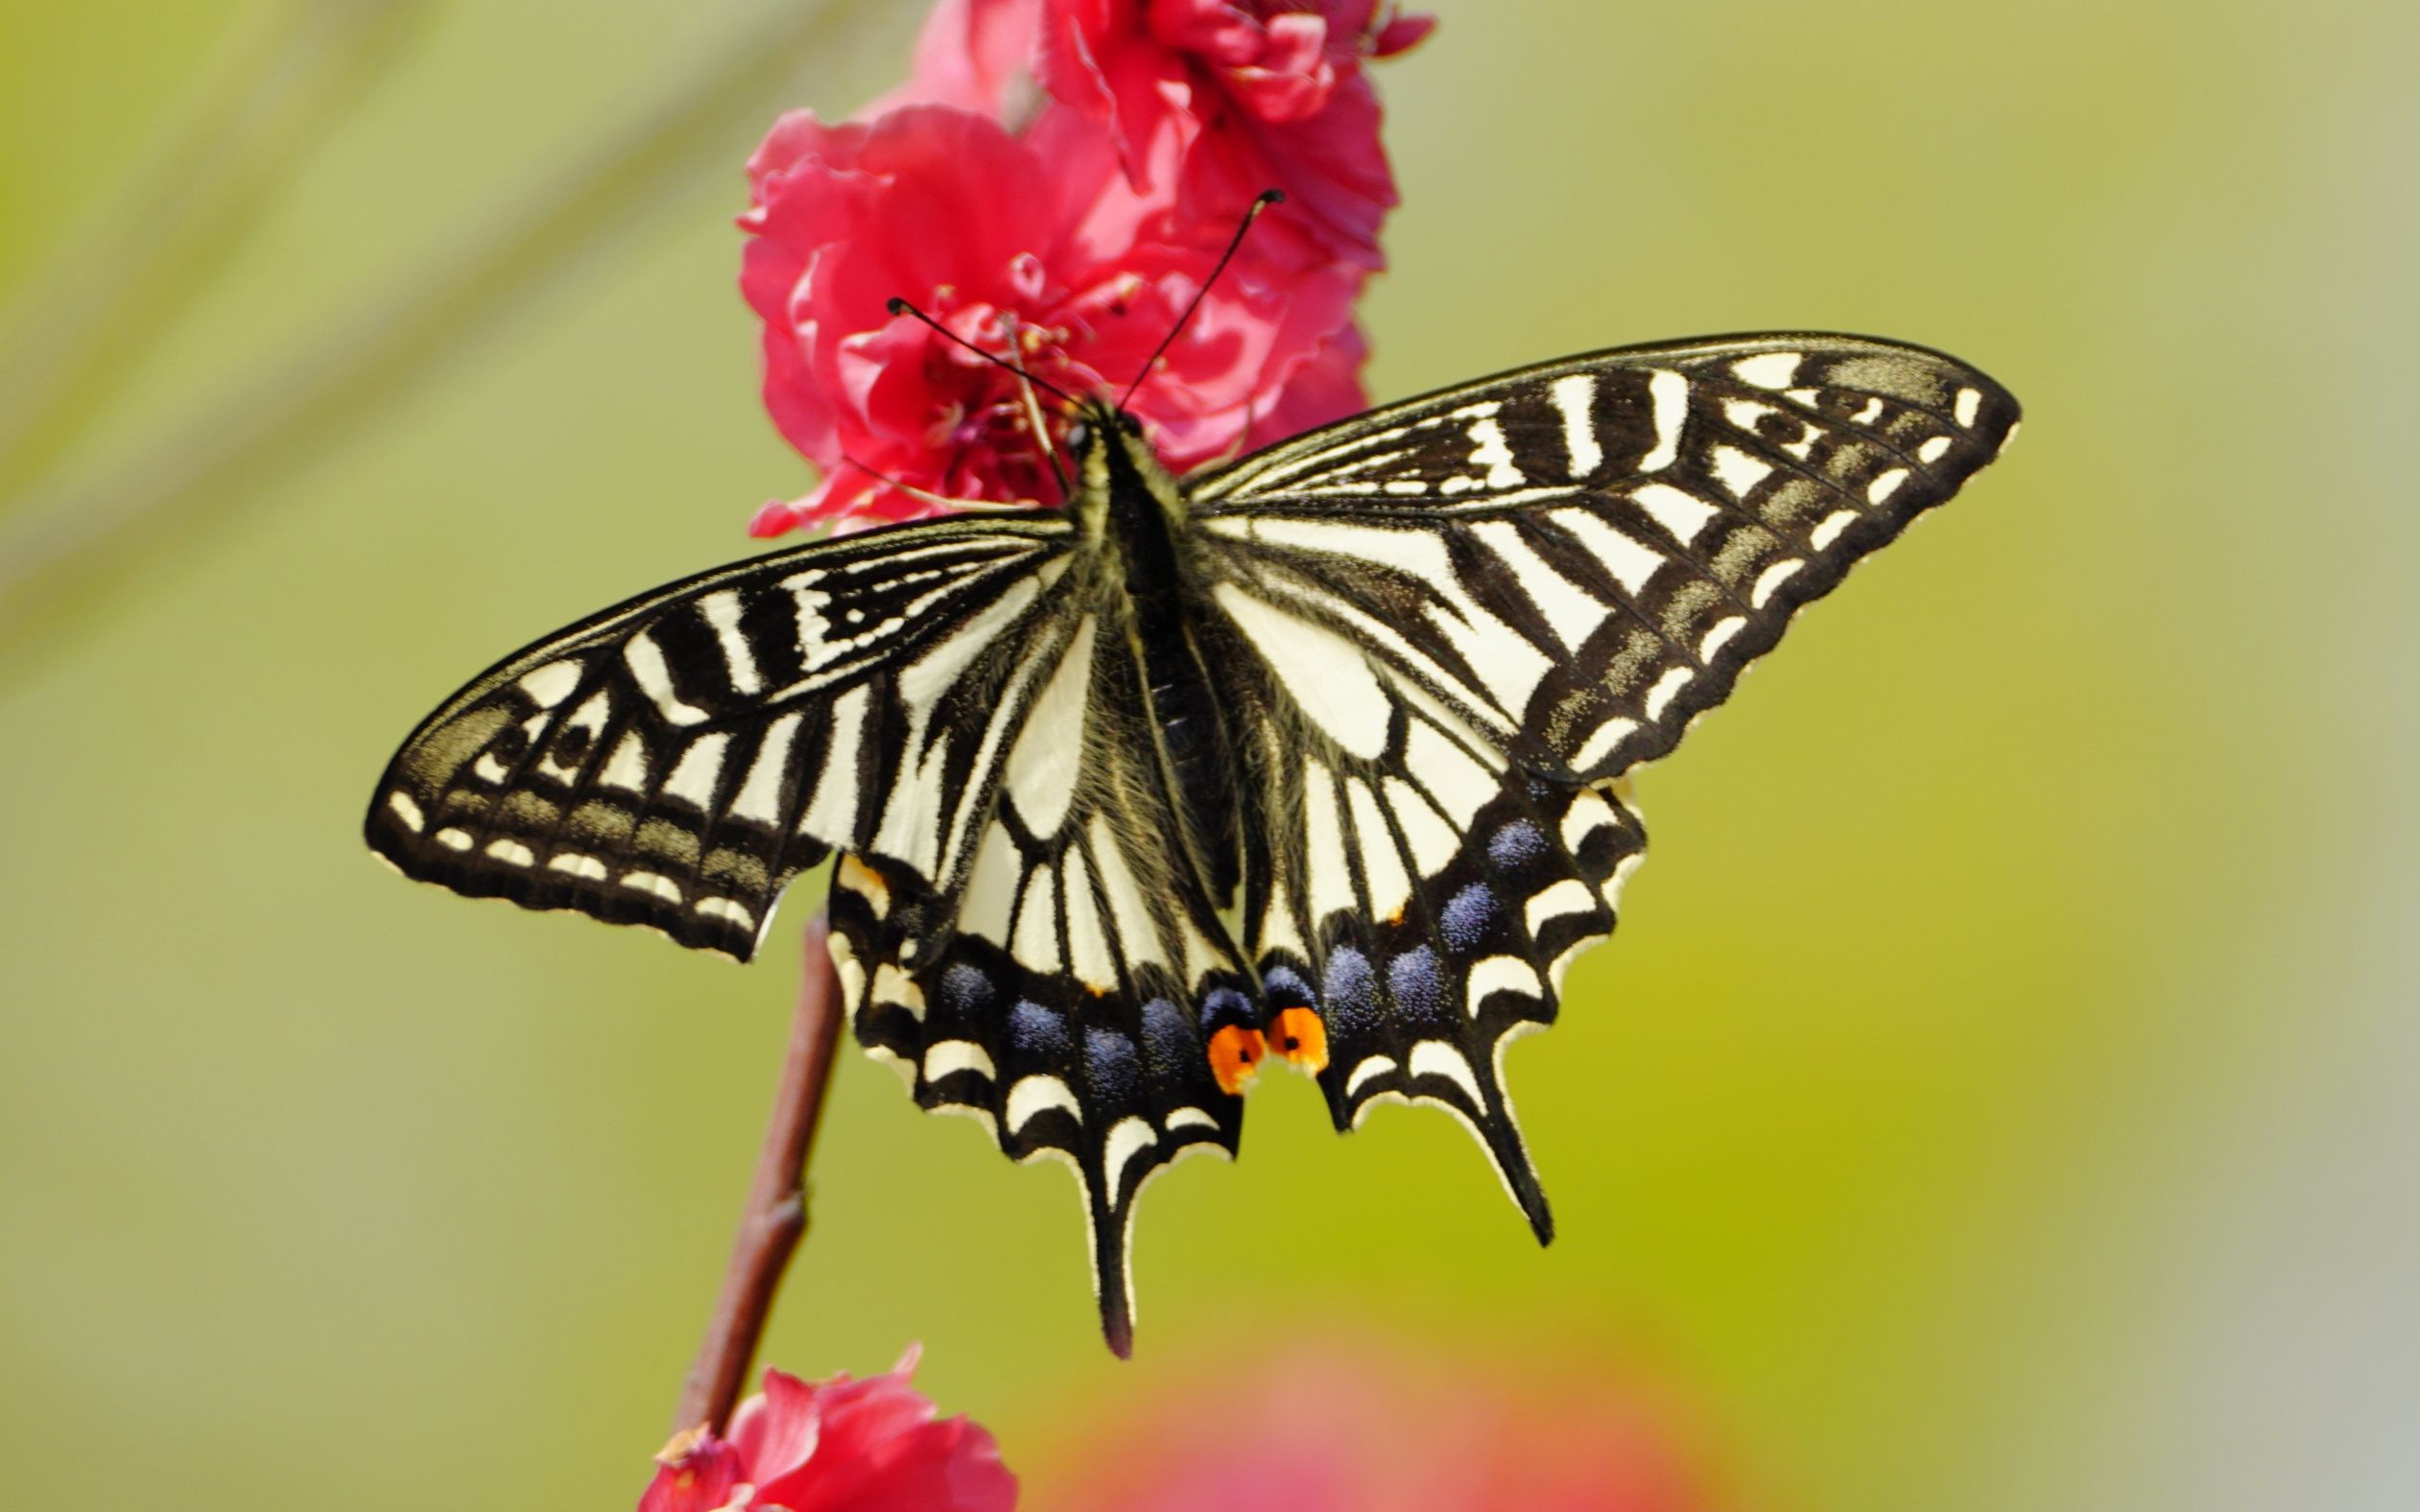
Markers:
(1116, 467)
(1097, 424)
(1104, 440)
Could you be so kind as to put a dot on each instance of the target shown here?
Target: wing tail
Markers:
(1060, 988)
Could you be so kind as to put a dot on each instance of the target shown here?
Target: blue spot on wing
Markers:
(1169, 1045)
(1352, 990)
(1221, 1007)
(964, 990)
(1036, 1031)
(1112, 1071)
(1418, 982)
(1517, 846)
(1284, 988)
(1465, 917)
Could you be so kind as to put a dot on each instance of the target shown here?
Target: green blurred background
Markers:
(2002, 1093)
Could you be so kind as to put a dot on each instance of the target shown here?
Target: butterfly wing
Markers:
(1017, 921)
(1447, 626)
(1583, 556)
(1404, 881)
(674, 761)
(1064, 994)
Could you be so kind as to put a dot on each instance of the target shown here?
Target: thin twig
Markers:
(62, 552)
(776, 1218)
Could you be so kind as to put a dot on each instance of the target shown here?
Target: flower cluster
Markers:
(838, 1446)
(1058, 176)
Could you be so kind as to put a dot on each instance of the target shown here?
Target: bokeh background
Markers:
(2002, 1093)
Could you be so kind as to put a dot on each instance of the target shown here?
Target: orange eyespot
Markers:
(1235, 1057)
(1301, 1038)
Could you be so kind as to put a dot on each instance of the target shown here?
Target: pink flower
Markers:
(1062, 173)
(1347, 1427)
(1326, 387)
(1209, 102)
(843, 1446)
(980, 227)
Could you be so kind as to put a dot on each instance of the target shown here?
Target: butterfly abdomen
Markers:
(1182, 707)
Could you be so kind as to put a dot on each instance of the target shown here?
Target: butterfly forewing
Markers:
(674, 761)
(1581, 557)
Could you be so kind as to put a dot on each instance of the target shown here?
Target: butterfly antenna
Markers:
(1033, 406)
(903, 307)
(1261, 201)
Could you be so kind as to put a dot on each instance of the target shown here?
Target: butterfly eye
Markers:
(1079, 437)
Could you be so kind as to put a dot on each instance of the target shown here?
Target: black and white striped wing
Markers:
(1452, 623)
(1581, 557)
(674, 761)
(1071, 1011)
(1405, 879)
(1018, 922)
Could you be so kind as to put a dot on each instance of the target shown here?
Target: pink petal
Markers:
(777, 1431)
(1326, 387)
(775, 517)
(1219, 30)
(1291, 79)
(1096, 58)
(1400, 35)
(884, 1453)
(969, 55)
(797, 139)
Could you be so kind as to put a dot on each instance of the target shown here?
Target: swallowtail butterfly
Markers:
(1317, 754)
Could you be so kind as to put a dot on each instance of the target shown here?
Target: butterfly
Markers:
(1319, 755)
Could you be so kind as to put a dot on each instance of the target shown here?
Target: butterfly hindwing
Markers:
(1063, 990)
(1409, 885)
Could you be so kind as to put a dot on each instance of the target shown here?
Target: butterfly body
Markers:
(1316, 755)
(1133, 512)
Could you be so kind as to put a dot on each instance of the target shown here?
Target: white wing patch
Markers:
(655, 678)
(1668, 399)
(1675, 509)
(1625, 561)
(1769, 370)
(551, 684)
(1043, 765)
(1574, 398)
(1327, 674)
(722, 611)
(831, 815)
